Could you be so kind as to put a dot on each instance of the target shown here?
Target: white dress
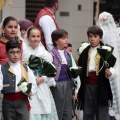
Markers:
(42, 103)
(111, 37)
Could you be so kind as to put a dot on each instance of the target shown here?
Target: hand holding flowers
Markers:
(105, 52)
(75, 71)
(41, 67)
(24, 87)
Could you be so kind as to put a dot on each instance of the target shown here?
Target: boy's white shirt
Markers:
(17, 70)
(48, 26)
(92, 62)
(61, 52)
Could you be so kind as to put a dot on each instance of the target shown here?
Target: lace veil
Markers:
(111, 37)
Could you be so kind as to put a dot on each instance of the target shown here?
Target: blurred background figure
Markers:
(69, 47)
(110, 36)
(46, 22)
(24, 25)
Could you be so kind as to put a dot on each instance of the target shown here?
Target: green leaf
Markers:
(21, 81)
(35, 62)
(105, 54)
(102, 53)
(75, 72)
(29, 86)
(47, 68)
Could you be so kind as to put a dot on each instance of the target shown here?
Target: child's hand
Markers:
(74, 96)
(107, 72)
(29, 94)
(39, 80)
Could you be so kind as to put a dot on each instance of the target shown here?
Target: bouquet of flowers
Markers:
(105, 52)
(75, 71)
(82, 47)
(24, 87)
(41, 66)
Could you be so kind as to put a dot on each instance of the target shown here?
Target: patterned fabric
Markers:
(114, 109)
(57, 60)
(52, 116)
(111, 37)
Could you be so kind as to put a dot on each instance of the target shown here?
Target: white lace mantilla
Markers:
(111, 37)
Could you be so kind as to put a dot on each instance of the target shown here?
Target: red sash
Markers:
(17, 96)
(92, 78)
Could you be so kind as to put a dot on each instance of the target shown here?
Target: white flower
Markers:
(23, 87)
(111, 112)
(82, 47)
(74, 68)
(84, 44)
(107, 48)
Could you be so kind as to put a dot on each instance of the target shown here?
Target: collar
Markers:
(14, 64)
(94, 48)
(50, 12)
(61, 51)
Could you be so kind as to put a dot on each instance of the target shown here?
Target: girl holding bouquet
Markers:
(62, 59)
(111, 37)
(42, 103)
(95, 93)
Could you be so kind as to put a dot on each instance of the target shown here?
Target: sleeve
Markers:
(78, 78)
(1, 79)
(31, 79)
(46, 55)
(50, 81)
(25, 52)
(112, 70)
(48, 26)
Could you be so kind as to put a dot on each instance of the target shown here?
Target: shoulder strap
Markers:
(70, 59)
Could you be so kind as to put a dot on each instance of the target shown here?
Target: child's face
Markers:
(14, 55)
(11, 29)
(69, 49)
(62, 42)
(34, 38)
(94, 40)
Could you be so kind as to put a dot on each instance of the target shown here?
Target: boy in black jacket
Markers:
(95, 92)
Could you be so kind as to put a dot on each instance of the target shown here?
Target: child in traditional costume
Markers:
(42, 103)
(15, 104)
(62, 59)
(95, 93)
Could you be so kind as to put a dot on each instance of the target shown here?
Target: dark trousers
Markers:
(91, 107)
(112, 118)
(14, 110)
(62, 95)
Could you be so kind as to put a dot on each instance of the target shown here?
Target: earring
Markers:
(3, 34)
